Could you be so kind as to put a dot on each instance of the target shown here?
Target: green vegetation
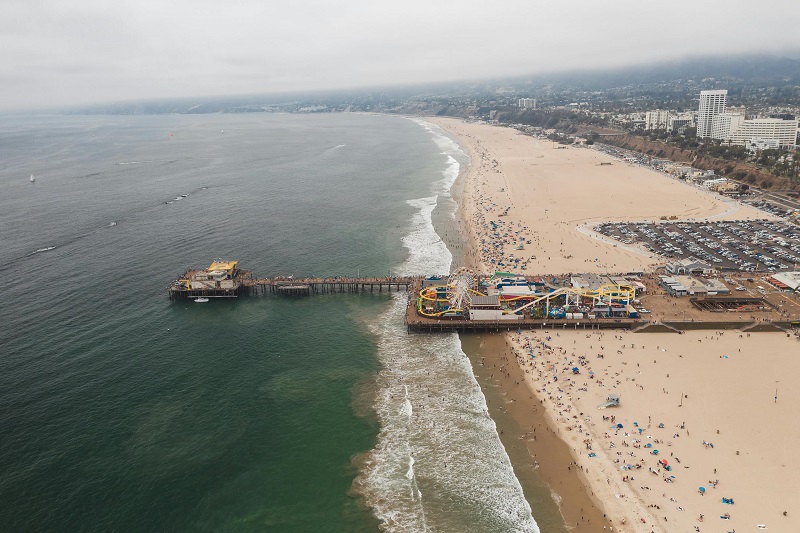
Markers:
(777, 162)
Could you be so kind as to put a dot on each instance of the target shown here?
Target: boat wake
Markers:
(333, 149)
(40, 250)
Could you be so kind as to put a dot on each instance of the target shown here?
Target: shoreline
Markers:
(560, 500)
(422, 384)
(542, 461)
(504, 175)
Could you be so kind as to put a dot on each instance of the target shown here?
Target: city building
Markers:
(782, 130)
(658, 119)
(527, 103)
(757, 145)
(689, 265)
(712, 103)
(736, 110)
(680, 123)
(786, 281)
(724, 124)
(730, 124)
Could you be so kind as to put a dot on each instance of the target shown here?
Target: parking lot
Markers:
(745, 245)
(785, 210)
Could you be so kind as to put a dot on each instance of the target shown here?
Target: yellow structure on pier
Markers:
(220, 275)
(224, 266)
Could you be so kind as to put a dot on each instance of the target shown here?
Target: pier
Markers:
(291, 286)
(224, 279)
(454, 303)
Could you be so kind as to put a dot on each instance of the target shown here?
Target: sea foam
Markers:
(439, 465)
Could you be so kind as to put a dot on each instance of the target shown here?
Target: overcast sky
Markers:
(55, 52)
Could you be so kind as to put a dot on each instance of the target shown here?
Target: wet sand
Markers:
(542, 461)
(558, 496)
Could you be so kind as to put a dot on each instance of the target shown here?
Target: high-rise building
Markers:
(527, 103)
(712, 103)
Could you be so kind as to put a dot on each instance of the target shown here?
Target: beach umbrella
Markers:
(664, 462)
(702, 489)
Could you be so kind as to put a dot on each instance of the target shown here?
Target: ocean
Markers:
(123, 411)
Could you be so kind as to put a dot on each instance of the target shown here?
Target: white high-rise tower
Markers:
(712, 103)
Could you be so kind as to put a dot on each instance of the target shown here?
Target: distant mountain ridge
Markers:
(707, 72)
(761, 69)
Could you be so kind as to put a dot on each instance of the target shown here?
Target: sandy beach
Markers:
(533, 190)
(705, 400)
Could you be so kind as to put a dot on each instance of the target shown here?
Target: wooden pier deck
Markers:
(307, 286)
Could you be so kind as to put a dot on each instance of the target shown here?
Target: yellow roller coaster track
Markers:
(607, 293)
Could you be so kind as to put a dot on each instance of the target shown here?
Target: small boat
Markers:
(200, 300)
(32, 178)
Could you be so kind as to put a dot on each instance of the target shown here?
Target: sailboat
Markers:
(32, 178)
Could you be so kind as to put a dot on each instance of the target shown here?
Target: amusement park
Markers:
(507, 296)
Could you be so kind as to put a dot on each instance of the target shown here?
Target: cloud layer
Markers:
(56, 53)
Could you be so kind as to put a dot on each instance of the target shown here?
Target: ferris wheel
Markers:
(460, 283)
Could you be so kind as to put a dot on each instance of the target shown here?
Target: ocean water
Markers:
(121, 410)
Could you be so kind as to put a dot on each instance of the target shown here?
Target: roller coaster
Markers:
(453, 298)
(573, 297)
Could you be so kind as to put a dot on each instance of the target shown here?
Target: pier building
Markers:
(222, 279)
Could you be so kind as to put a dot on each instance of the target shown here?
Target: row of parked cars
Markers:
(731, 245)
(773, 209)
